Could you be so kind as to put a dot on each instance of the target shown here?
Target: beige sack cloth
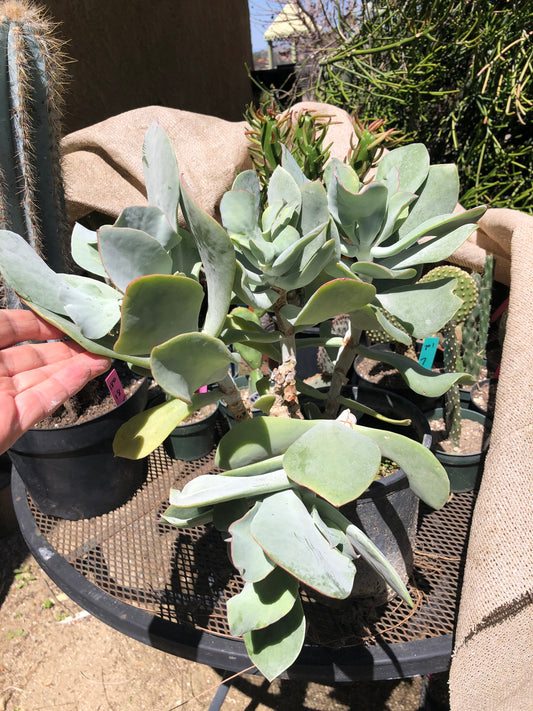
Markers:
(492, 668)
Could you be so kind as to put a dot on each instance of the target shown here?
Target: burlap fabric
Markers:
(492, 666)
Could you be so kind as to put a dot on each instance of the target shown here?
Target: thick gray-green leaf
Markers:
(186, 518)
(276, 647)
(93, 305)
(288, 161)
(412, 163)
(436, 227)
(257, 439)
(439, 196)
(315, 209)
(161, 173)
(151, 220)
(248, 180)
(332, 299)
(434, 250)
(427, 477)
(285, 530)
(261, 603)
(248, 557)
(238, 209)
(140, 435)
(218, 260)
(366, 548)
(378, 271)
(334, 461)
(129, 254)
(189, 361)
(27, 274)
(422, 311)
(282, 186)
(210, 489)
(84, 248)
(157, 308)
(420, 379)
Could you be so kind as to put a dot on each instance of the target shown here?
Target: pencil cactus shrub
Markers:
(305, 253)
(31, 98)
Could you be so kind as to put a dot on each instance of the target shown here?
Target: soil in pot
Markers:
(473, 437)
(92, 401)
(483, 396)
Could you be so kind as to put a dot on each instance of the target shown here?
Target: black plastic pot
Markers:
(192, 440)
(72, 473)
(388, 510)
(8, 520)
(463, 470)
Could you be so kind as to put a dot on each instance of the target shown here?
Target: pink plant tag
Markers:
(115, 387)
(203, 389)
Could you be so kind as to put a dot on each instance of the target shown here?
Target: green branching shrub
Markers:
(456, 74)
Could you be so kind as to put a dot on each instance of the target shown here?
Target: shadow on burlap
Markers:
(492, 665)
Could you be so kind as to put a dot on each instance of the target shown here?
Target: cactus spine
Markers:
(31, 76)
(466, 290)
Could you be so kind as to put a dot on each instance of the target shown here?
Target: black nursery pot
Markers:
(72, 473)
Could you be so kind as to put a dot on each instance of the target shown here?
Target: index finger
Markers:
(18, 325)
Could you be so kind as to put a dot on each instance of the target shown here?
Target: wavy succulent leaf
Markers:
(419, 379)
(218, 260)
(28, 275)
(248, 557)
(129, 254)
(422, 311)
(282, 186)
(257, 439)
(326, 301)
(155, 309)
(339, 472)
(239, 212)
(84, 248)
(274, 648)
(410, 163)
(364, 546)
(186, 518)
(189, 361)
(439, 196)
(93, 305)
(144, 432)
(427, 477)
(161, 173)
(283, 516)
(437, 227)
(262, 603)
(210, 489)
(151, 220)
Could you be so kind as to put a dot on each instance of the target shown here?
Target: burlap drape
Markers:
(492, 666)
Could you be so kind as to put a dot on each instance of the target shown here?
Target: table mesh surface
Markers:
(184, 576)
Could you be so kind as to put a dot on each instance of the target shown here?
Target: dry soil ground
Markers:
(53, 656)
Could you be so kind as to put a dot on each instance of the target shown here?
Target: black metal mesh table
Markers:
(168, 587)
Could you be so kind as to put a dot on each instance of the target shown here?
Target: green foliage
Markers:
(31, 189)
(455, 74)
(305, 253)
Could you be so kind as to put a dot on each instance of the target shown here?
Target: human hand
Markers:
(35, 378)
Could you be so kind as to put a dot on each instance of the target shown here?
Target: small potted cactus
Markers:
(302, 251)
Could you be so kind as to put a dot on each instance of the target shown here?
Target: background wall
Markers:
(175, 53)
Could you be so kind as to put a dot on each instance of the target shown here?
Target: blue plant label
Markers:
(427, 354)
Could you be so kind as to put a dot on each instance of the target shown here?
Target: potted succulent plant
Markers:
(303, 252)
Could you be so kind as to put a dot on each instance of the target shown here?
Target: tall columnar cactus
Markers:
(476, 326)
(31, 77)
(467, 290)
